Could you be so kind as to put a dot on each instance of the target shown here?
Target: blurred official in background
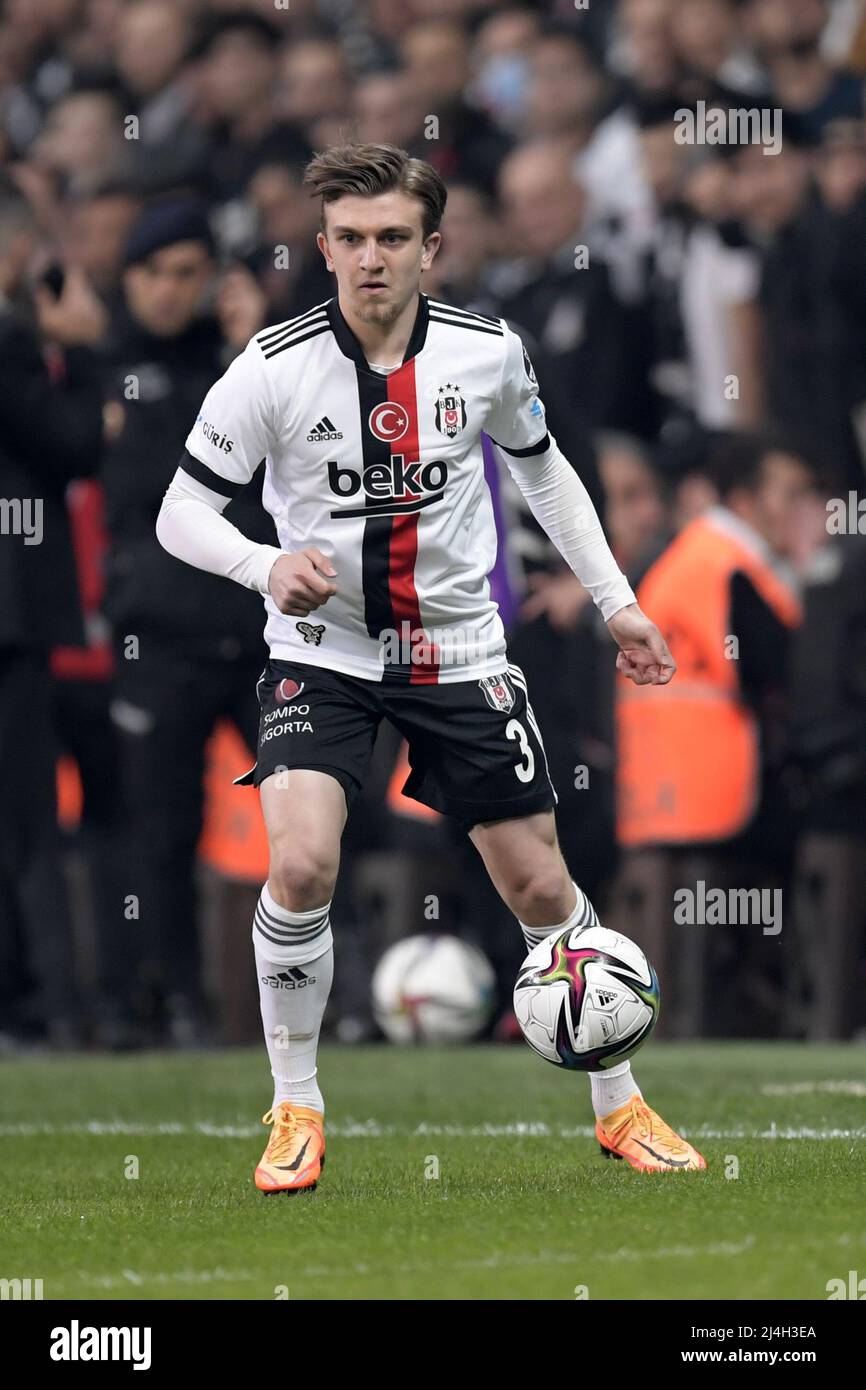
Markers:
(50, 433)
(184, 646)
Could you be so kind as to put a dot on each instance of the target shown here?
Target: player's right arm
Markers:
(235, 430)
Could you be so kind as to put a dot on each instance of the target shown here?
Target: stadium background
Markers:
(690, 311)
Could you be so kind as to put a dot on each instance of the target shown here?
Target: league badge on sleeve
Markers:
(450, 411)
(530, 370)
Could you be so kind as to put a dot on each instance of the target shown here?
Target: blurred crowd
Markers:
(696, 314)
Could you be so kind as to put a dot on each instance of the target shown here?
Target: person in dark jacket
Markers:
(184, 647)
(50, 433)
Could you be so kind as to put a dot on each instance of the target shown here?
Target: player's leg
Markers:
(316, 733)
(304, 812)
(525, 864)
(476, 753)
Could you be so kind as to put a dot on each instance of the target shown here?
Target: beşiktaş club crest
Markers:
(498, 692)
(450, 410)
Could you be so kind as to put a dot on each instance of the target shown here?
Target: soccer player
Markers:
(368, 410)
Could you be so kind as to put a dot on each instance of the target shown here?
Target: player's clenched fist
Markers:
(644, 655)
(301, 581)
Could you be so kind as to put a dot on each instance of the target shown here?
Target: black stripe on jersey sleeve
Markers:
(438, 305)
(270, 335)
(302, 338)
(463, 323)
(540, 448)
(202, 474)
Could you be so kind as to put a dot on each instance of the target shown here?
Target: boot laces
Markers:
(652, 1126)
(286, 1129)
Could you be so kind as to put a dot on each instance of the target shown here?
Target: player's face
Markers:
(377, 250)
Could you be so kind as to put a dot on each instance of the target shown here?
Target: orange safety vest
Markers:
(396, 799)
(688, 753)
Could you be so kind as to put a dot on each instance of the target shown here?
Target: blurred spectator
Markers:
(828, 701)
(561, 294)
(499, 59)
(466, 144)
(387, 109)
(314, 84)
(463, 272)
(803, 251)
(289, 267)
(237, 87)
(787, 37)
(152, 41)
(185, 646)
(701, 287)
(709, 43)
(567, 89)
(700, 788)
(82, 144)
(96, 231)
(50, 431)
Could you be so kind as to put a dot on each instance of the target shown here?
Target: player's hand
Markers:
(300, 582)
(644, 655)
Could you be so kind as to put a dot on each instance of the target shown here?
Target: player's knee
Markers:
(302, 877)
(543, 896)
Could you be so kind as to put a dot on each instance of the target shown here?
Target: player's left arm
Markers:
(562, 506)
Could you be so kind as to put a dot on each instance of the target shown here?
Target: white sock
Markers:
(294, 956)
(612, 1088)
(582, 915)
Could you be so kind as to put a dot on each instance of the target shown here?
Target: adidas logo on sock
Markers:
(293, 978)
(323, 431)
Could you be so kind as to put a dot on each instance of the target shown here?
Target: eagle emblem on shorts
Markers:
(450, 411)
(497, 692)
(311, 632)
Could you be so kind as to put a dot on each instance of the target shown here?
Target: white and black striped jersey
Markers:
(384, 474)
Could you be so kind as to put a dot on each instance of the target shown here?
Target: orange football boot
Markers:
(295, 1155)
(640, 1136)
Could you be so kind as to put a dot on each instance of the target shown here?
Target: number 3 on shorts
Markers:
(515, 730)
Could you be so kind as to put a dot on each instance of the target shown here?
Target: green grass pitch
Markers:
(524, 1205)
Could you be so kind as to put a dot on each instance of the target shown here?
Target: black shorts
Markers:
(475, 751)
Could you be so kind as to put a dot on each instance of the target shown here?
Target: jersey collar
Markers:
(350, 346)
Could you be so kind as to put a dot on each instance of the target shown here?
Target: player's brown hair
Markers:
(367, 170)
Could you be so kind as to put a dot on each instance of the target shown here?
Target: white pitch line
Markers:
(499, 1260)
(810, 1088)
(360, 1268)
(372, 1129)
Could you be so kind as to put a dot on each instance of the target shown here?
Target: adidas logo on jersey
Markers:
(323, 431)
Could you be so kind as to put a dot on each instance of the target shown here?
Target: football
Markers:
(432, 989)
(586, 998)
